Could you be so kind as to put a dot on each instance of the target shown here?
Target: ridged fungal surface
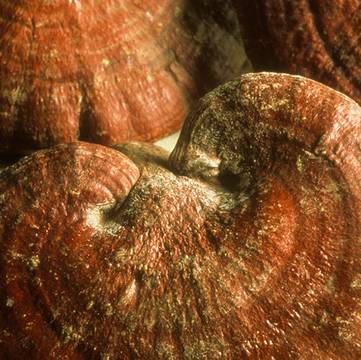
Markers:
(109, 71)
(318, 39)
(245, 244)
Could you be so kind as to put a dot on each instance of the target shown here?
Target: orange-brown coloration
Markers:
(109, 71)
(244, 245)
(319, 39)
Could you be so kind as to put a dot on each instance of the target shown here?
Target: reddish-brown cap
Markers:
(319, 39)
(109, 71)
(245, 245)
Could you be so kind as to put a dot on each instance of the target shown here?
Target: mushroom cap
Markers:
(245, 244)
(317, 39)
(109, 71)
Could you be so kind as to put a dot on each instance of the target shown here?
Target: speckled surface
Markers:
(319, 39)
(245, 244)
(109, 71)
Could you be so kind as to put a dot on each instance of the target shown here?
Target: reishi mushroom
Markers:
(109, 71)
(245, 243)
(319, 39)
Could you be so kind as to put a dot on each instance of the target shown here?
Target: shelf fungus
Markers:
(109, 71)
(244, 244)
(319, 39)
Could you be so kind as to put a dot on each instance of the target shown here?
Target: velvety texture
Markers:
(109, 71)
(244, 244)
(319, 39)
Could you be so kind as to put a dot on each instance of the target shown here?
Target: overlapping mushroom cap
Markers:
(319, 39)
(246, 244)
(109, 71)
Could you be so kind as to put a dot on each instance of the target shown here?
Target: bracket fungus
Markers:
(109, 71)
(245, 243)
(319, 39)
